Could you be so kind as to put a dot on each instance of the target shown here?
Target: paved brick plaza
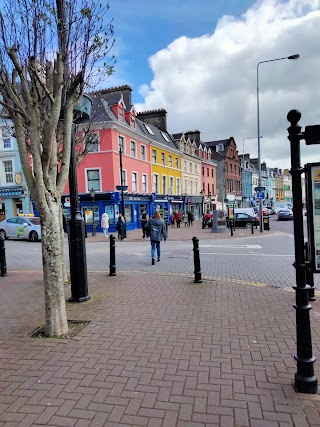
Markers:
(159, 351)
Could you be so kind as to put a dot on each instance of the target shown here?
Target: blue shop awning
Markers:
(12, 191)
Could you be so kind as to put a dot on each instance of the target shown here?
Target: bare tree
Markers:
(50, 52)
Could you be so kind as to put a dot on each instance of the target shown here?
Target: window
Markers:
(207, 171)
(144, 184)
(196, 187)
(134, 181)
(177, 163)
(226, 167)
(143, 152)
(212, 188)
(191, 187)
(92, 144)
(185, 166)
(190, 168)
(171, 184)
(230, 168)
(8, 171)
(154, 156)
(165, 136)
(121, 144)
(164, 184)
(155, 183)
(196, 169)
(120, 113)
(185, 186)
(123, 178)
(170, 161)
(93, 179)
(132, 149)
(178, 186)
(6, 137)
(202, 170)
(211, 173)
(163, 159)
(149, 129)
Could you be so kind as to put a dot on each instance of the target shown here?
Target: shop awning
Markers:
(12, 191)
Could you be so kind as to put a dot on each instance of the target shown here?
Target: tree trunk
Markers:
(53, 264)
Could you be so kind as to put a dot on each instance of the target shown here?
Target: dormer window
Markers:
(121, 114)
(165, 136)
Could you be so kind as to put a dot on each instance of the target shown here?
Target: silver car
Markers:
(21, 227)
(285, 214)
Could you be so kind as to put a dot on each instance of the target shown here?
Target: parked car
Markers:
(245, 220)
(285, 214)
(264, 211)
(21, 227)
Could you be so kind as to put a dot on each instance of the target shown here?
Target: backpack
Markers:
(147, 230)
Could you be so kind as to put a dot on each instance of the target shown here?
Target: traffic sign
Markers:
(260, 195)
(259, 189)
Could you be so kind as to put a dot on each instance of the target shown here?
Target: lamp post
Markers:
(92, 194)
(296, 56)
(249, 137)
(202, 203)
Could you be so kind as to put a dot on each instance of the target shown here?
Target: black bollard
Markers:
(3, 257)
(231, 226)
(252, 228)
(85, 225)
(309, 272)
(305, 380)
(196, 257)
(112, 255)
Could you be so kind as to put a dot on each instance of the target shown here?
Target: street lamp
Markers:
(92, 194)
(249, 137)
(296, 56)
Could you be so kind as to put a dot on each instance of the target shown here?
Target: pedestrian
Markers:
(158, 233)
(185, 219)
(120, 227)
(105, 224)
(144, 219)
(172, 220)
(190, 218)
(177, 217)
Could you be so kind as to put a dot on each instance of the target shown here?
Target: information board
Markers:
(313, 212)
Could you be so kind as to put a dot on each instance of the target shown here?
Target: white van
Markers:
(248, 211)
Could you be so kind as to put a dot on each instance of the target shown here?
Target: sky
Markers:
(199, 61)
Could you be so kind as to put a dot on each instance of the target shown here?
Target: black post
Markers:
(77, 246)
(196, 256)
(85, 225)
(3, 257)
(122, 198)
(252, 228)
(231, 226)
(305, 380)
(112, 265)
(309, 272)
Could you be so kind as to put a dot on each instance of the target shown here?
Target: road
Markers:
(256, 259)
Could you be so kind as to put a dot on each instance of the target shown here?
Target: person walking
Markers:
(185, 219)
(120, 227)
(158, 233)
(105, 224)
(144, 219)
(190, 218)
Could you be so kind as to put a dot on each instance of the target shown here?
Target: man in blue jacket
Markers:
(157, 230)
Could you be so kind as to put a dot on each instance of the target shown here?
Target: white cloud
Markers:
(209, 83)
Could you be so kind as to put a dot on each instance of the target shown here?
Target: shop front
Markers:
(13, 201)
(193, 204)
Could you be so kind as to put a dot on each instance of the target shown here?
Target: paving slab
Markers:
(159, 350)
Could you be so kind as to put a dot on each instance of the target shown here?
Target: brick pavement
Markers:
(159, 351)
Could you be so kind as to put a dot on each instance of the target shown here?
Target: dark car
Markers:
(245, 220)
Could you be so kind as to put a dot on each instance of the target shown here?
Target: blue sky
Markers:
(144, 27)
(198, 60)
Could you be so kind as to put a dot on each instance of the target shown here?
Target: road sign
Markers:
(260, 195)
(259, 189)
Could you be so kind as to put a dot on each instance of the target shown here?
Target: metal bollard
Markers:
(112, 255)
(309, 273)
(85, 225)
(3, 257)
(252, 228)
(231, 227)
(196, 257)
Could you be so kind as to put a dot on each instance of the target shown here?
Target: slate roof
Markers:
(102, 112)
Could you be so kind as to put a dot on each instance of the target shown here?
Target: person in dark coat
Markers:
(158, 232)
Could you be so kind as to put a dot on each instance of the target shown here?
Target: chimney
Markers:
(156, 118)
(113, 94)
(193, 135)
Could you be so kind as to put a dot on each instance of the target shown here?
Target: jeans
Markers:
(105, 232)
(154, 245)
